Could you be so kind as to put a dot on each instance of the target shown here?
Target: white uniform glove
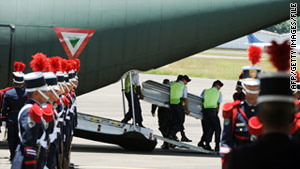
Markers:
(4, 124)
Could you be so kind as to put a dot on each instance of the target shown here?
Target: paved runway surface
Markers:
(107, 102)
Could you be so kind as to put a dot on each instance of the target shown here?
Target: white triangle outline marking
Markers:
(81, 37)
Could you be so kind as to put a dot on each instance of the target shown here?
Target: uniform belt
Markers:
(53, 135)
(68, 117)
(60, 120)
(42, 141)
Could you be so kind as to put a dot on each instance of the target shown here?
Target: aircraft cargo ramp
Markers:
(159, 94)
(114, 132)
(184, 145)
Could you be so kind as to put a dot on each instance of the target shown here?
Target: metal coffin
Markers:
(159, 94)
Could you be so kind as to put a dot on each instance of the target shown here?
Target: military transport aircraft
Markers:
(129, 34)
(111, 37)
(253, 40)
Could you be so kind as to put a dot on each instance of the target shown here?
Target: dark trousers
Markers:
(68, 141)
(42, 158)
(204, 129)
(164, 120)
(12, 137)
(178, 117)
(137, 109)
(52, 155)
(211, 124)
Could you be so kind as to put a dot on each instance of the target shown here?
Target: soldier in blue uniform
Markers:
(59, 115)
(237, 114)
(68, 122)
(30, 122)
(71, 122)
(239, 94)
(48, 116)
(14, 100)
(276, 104)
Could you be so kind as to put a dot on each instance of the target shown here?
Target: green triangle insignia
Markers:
(73, 41)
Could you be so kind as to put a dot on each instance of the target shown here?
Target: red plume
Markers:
(77, 65)
(64, 65)
(16, 66)
(22, 67)
(241, 75)
(19, 66)
(47, 66)
(69, 65)
(39, 62)
(254, 54)
(280, 55)
(55, 65)
(297, 76)
(74, 63)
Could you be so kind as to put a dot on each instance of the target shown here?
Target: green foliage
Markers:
(226, 69)
(283, 27)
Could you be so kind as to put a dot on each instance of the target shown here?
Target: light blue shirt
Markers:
(185, 91)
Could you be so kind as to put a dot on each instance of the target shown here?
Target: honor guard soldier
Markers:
(237, 113)
(48, 116)
(239, 94)
(75, 84)
(137, 93)
(14, 100)
(30, 122)
(59, 113)
(274, 149)
(72, 112)
(67, 121)
(179, 106)
(54, 98)
(73, 109)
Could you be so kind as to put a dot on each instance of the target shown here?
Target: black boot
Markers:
(201, 144)
(124, 121)
(172, 136)
(165, 146)
(72, 166)
(217, 147)
(184, 138)
(207, 147)
(141, 125)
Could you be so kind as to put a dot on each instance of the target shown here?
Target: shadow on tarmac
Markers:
(156, 151)
(116, 149)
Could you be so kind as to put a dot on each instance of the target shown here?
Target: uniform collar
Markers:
(32, 101)
(181, 82)
(250, 105)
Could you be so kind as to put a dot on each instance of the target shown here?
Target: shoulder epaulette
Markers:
(255, 127)
(228, 107)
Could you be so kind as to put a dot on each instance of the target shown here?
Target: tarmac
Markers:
(107, 102)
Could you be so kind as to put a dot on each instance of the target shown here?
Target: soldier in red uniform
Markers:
(237, 113)
(276, 103)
